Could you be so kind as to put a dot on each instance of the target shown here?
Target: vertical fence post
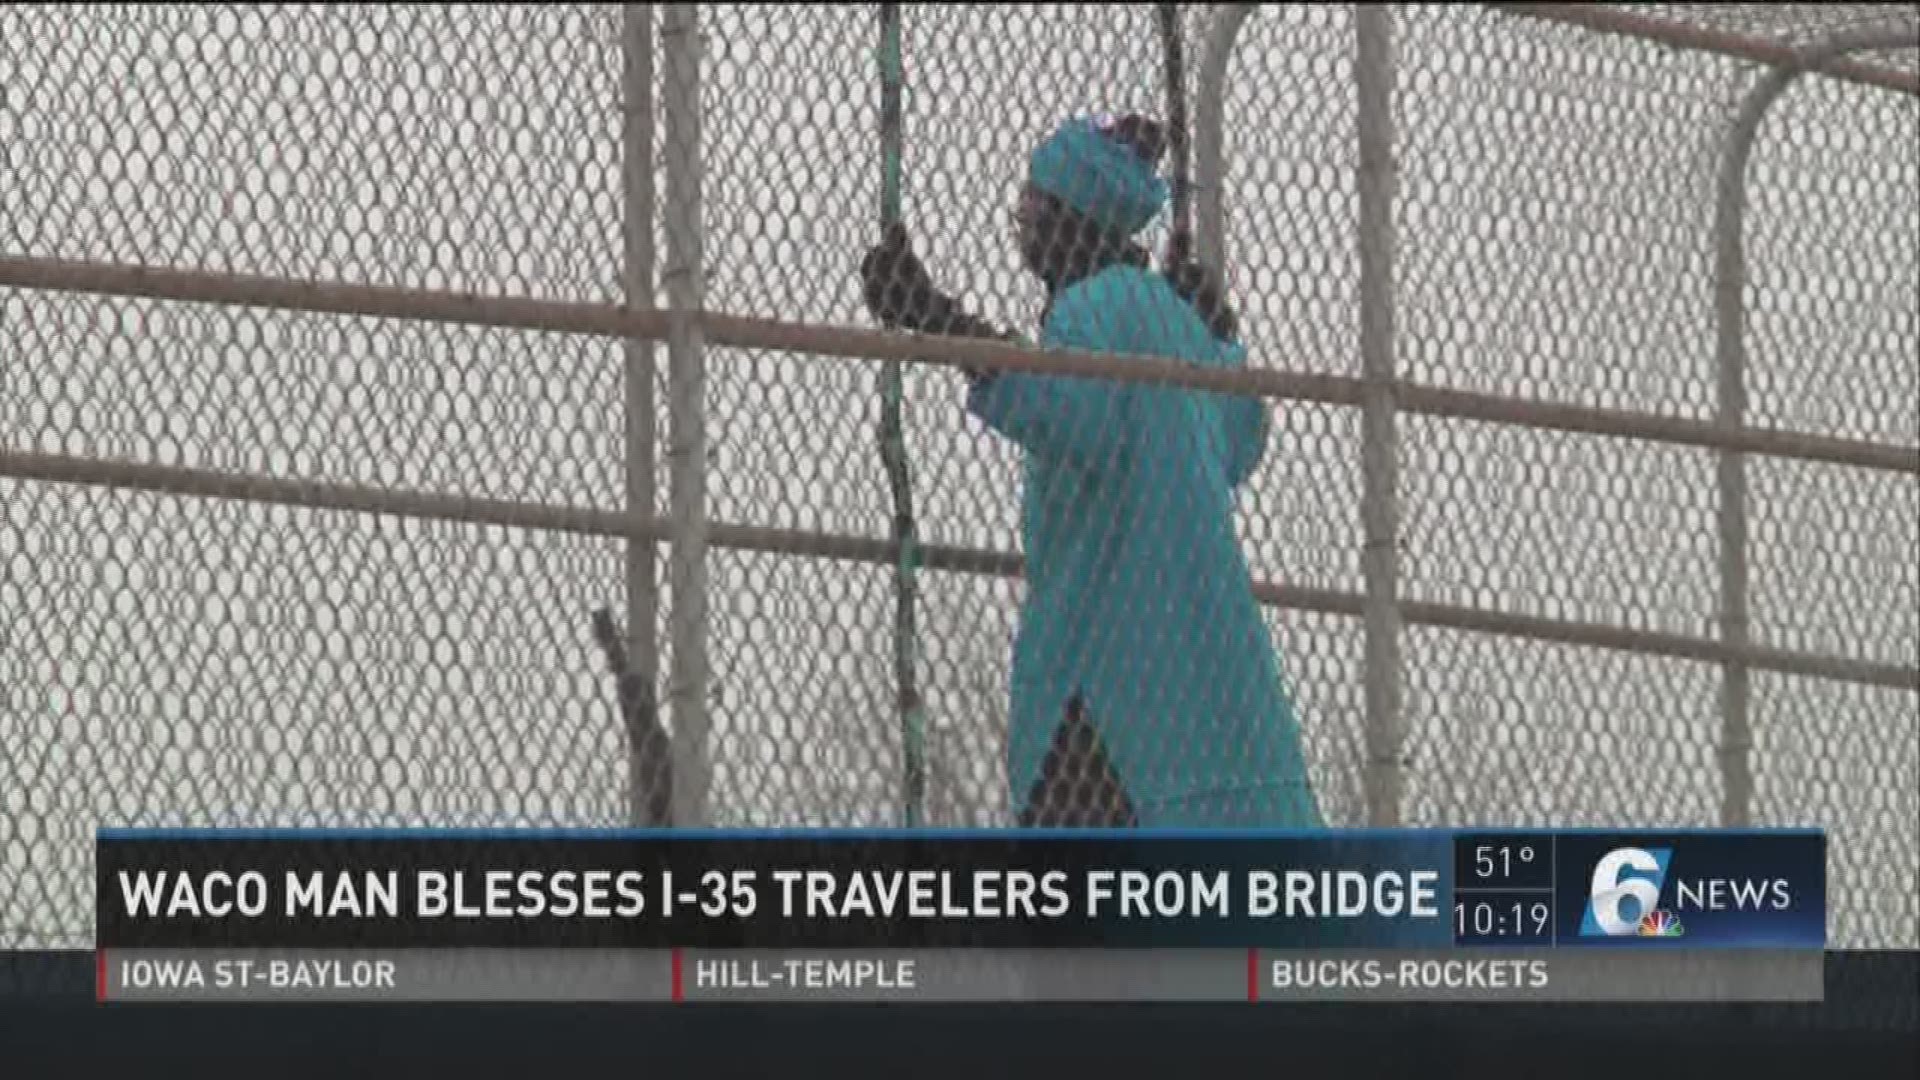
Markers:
(1379, 455)
(1209, 138)
(909, 707)
(687, 436)
(1730, 358)
(637, 199)
(1736, 733)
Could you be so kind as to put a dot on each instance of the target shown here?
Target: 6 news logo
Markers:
(1624, 898)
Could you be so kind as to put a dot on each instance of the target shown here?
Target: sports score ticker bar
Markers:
(1038, 915)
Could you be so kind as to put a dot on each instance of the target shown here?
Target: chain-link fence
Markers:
(281, 654)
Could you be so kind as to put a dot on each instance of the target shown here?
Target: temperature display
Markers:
(1495, 861)
(1503, 889)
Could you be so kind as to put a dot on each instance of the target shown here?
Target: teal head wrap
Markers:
(1098, 176)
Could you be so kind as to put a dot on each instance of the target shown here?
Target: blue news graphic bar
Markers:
(1328, 889)
(509, 832)
(1651, 890)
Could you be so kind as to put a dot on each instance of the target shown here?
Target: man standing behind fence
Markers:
(1145, 686)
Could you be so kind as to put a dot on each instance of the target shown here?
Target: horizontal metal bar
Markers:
(176, 480)
(1620, 19)
(324, 495)
(331, 298)
(744, 332)
(766, 334)
(1655, 643)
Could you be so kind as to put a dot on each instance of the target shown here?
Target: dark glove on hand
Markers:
(1197, 285)
(901, 294)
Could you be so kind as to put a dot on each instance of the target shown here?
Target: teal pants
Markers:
(1079, 787)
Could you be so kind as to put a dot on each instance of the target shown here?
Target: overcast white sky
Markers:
(177, 660)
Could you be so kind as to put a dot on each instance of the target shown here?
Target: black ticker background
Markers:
(1866, 1029)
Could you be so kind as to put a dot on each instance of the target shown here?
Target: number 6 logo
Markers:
(1612, 886)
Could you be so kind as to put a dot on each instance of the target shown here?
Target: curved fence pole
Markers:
(1629, 21)
(1209, 138)
(687, 436)
(1730, 316)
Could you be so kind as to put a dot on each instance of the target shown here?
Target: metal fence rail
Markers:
(329, 408)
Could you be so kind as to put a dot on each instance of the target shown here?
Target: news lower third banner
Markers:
(960, 916)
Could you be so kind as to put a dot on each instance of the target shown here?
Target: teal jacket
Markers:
(1138, 597)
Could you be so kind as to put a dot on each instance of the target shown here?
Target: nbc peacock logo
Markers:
(1661, 923)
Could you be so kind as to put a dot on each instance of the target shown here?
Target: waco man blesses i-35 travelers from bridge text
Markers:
(1145, 687)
